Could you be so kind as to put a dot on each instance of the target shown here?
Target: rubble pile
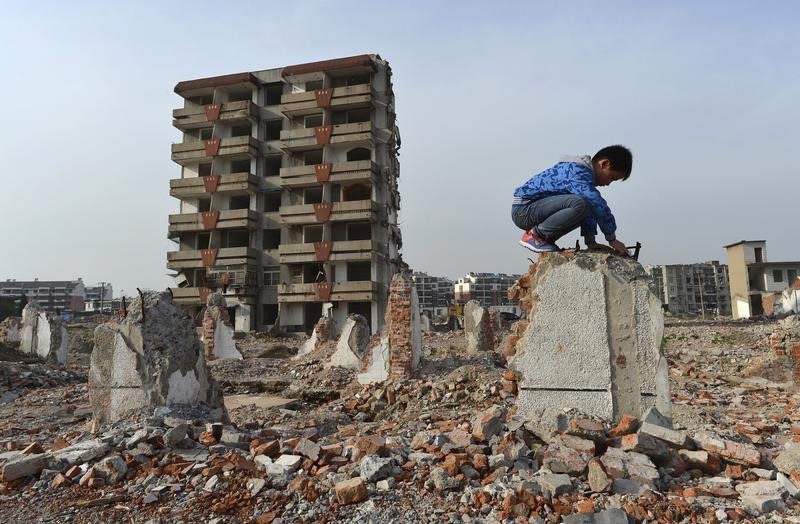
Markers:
(150, 358)
(217, 328)
(452, 443)
(43, 334)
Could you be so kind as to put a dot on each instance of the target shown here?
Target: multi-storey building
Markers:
(490, 289)
(56, 296)
(98, 295)
(288, 192)
(753, 278)
(692, 288)
(435, 293)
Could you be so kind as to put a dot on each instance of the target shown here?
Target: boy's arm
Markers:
(601, 213)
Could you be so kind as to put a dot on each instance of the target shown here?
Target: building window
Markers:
(312, 121)
(777, 275)
(272, 276)
(758, 254)
(273, 129)
(791, 275)
(274, 90)
(272, 238)
(270, 313)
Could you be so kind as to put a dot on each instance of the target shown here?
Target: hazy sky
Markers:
(706, 94)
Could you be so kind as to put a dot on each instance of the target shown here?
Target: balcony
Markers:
(307, 138)
(362, 291)
(226, 256)
(336, 212)
(341, 251)
(197, 116)
(340, 172)
(337, 98)
(197, 150)
(230, 219)
(232, 183)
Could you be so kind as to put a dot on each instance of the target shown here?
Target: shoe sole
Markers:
(535, 250)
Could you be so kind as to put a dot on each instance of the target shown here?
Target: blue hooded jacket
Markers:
(575, 176)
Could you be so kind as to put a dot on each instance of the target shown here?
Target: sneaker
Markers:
(538, 245)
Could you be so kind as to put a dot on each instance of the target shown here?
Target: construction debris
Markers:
(307, 442)
(352, 345)
(43, 334)
(478, 328)
(10, 330)
(151, 358)
(398, 352)
(593, 342)
(218, 330)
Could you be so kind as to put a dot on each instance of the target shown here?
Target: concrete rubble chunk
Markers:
(761, 488)
(593, 343)
(443, 481)
(764, 504)
(375, 468)
(308, 448)
(736, 452)
(152, 358)
(353, 344)
(399, 350)
(23, 466)
(478, 328)
(80, 453)
(599, 481)
(554, 485)
(657, 425)
(43, 334)
(607, 516)
(788, 460)
(112, 469)
(217, 339)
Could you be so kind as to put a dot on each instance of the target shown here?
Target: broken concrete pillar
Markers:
(322, 333)
(478, 328)
(400, 348)
(43, 334)
(148, 359)
(217, 337)
(593, 342)
(425, 323)
(10, 329)
(352, 345)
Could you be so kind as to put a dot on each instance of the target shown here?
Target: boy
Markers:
(565, 196)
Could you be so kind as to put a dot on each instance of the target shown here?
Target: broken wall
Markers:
(593, 342)
(43, 334)
(218, 341)
(150, 358)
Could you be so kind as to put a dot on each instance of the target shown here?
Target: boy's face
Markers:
(603, 174)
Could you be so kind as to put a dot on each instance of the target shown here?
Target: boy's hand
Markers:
(619, 247)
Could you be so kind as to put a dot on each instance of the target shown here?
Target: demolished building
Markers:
(288, 193)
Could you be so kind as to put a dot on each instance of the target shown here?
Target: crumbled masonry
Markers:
(322, 333)
(307, 443)
(478, 328)
(397, 353)
(353, 344)
(43, 334)
(218, 330)
(149, 359)
(593, 342)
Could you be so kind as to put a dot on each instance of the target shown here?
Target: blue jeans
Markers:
(551, 217)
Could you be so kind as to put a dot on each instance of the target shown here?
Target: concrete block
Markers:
(151, 358)
(43, 334)
(593, 342)
(353, 344)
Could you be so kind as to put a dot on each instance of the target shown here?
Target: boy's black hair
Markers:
(620, 157)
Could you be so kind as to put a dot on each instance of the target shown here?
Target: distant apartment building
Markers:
(490, 289)
(692, 288)
(288, 192)
(56, 296)
(435, 293)
(102, 293)
(753, 278)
